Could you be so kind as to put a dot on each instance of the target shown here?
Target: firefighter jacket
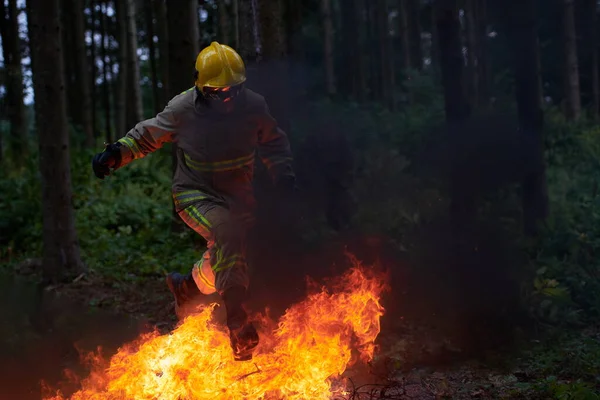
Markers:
(215, 152)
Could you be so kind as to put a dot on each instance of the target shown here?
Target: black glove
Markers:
(109, 158)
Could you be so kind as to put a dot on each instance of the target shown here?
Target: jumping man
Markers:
(219, 127)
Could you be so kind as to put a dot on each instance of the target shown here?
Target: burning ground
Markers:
(303, 356)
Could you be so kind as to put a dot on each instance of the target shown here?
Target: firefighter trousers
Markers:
(223, 265)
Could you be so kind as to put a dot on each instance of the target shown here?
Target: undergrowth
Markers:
(123, 222)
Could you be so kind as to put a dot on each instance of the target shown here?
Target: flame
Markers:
(302, 357)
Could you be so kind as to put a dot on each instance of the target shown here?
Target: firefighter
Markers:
(220, 127)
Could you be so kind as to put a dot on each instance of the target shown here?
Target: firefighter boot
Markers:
(184, 290)
(242, 333)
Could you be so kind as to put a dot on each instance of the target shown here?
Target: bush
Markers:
(565, 257)
(123, 222)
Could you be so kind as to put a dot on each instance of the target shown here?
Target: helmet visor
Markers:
(223, 94)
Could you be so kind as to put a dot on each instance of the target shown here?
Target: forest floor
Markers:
(414, 362)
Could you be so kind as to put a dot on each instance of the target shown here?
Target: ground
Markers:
(414, 361)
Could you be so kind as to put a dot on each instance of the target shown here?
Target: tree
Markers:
(183, 44)
(483, 57)
(105, 65)
(352, 66)
(133, 67)
(328, 40)
(160, 10)
(296, 13)
(61, 256)
(371, 22)
(592, 8)
(248, 41)
(152, 54)
(404, 35)
(182, 19)
(273, 67)
(387, 80)
(571, 68)
(122, 78)
(472, 52)
(414, 13)
(224, 22)
(451, 61)
(236, 24)
(525, 47)
(11, 51)
(456, 103)
(81, 71)
(93, 62)
(68, 46)
(435, 52)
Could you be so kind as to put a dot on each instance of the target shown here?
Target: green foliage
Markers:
(568, 270)
(123, 222)
(563, 366)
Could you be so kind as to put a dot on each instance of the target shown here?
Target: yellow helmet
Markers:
(219, 66)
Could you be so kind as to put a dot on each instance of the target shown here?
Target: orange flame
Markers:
(302, 358)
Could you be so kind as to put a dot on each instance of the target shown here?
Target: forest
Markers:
(453, 144)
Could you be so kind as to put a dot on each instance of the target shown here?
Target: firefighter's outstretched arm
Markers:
(145, 137)
(275, 152)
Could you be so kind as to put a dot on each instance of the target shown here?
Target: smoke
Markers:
(460, 281)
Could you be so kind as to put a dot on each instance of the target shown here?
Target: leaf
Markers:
(554, 292)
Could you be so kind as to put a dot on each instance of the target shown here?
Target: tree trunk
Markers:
(456, 106)
(472, 46)
(351, 69)
(133, 67)
(93, 65)
(385, 50)
(11, 51)
(61, 256)
(328, 40)
(571, 71)
(483, 56)
(236, 24)
(182, 19)
(593, 10)
(73, 104)
(525, 45)
(451, 61)
(415, 34)
(374, 67)
(122, 81)
(183, 44)
(105, 85)
(273, 69)
(404, 33)
(83, 83)
(224, 22)
(296, 48)
(435, 48)
(152, 55)
(248, 40)
(160, 10)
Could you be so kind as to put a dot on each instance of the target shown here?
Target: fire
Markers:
(302, 357)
